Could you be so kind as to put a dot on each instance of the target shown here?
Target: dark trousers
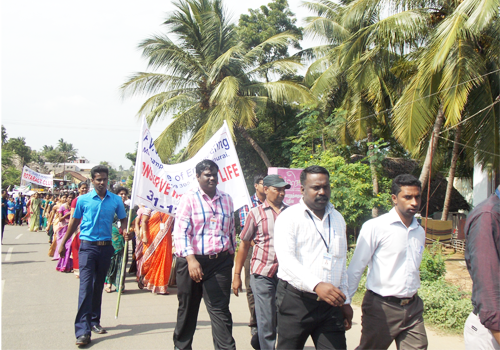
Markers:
(94, 264)
(215, 288)
(4, 221)
(383, 322)
(248, 287)
(18, 219)
(300, 315)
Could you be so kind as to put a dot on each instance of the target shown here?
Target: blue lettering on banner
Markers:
(222, 144)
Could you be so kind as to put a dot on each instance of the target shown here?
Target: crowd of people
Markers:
(300, 285)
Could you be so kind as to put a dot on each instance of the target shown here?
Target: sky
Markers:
(64, 61)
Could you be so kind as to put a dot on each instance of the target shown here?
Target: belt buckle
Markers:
(213, 256)
(100, 242)
(405, 302)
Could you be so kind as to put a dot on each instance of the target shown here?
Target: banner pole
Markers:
(129, 221)
(124, 267)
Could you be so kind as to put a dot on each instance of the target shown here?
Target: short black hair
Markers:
(99, 169)
(121, 188)
(205, 164)
(404, 180)
(313, 169)
(258, 178)
(83, 183)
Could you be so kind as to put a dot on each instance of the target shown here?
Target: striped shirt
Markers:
(244, 209)
(259, 227)
(194, 232)
(301, 240)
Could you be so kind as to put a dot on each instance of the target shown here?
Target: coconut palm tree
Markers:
(362, 49)
(452, 84)
(206, 77)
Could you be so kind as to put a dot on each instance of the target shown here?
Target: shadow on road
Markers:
(128, 330)
(21, 262)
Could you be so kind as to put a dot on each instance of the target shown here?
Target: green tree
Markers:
(18, 147)
(264, 23)
(452, 86)
(208, 77)
(5, 137)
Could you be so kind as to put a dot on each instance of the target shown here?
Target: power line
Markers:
(475, 114)
(474, 148)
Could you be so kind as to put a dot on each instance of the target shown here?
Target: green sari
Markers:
(35, 214)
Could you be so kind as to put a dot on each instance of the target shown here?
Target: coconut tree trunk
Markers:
(255, 146)
(451, 175)
(424, 175)
(373, 168)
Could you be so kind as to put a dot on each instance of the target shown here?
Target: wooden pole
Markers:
(124, 260)
(428, 188)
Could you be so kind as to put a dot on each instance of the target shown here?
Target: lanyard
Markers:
(329, 228)
(214, 212)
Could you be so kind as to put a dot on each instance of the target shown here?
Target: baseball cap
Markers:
(276, 181)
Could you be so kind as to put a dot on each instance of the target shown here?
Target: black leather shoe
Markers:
(83, 340)
(98, 329)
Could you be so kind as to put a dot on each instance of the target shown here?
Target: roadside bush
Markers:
(432, 266)
(445, 306)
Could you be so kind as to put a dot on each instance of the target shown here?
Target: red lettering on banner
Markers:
(222, 177)
(164, 186)
(235, 169)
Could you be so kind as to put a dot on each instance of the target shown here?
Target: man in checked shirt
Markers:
(205, 240)
(259, 227)
(257, 199)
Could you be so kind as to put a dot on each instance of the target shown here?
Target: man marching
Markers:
(259, 227)
(96, 211)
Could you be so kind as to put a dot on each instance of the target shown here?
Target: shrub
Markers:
(445, 306)
(432, 266)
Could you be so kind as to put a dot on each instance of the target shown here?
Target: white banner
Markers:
(36, 178)
(159, 186)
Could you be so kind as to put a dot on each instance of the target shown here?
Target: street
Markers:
(39, 306)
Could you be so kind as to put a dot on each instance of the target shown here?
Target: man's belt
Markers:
(400, 301)
(213, 256)
(100, 243)
(294, 290)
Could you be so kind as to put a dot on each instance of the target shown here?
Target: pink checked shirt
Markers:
(192, 232)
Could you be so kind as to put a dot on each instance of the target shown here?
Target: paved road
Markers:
(39, 307)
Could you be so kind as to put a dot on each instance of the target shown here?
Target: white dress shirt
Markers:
(300, 248)
(393, 253)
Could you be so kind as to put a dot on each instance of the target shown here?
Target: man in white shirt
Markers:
(311, 245)
(392, 246)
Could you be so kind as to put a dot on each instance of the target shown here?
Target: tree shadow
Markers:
(22, 262)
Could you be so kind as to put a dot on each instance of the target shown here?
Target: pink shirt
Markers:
(204, 225)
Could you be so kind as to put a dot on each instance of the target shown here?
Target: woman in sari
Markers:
(65, 263)
(156, 262)
(35, 204)
(115, 268)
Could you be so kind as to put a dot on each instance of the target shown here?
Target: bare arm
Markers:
(73, 225)
(240, 261)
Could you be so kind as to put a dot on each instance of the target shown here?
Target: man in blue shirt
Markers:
(19, 209)
(96, 211)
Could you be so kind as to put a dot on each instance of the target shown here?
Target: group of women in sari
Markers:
(152, 248)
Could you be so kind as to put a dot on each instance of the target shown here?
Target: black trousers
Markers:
(215, 288)
(300, 315)
(19, 216)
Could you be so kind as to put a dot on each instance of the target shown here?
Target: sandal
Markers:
(140, 283)
(107, 289)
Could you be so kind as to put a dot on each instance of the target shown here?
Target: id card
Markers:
(213, 223)
(162, 225)
(327, 261)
